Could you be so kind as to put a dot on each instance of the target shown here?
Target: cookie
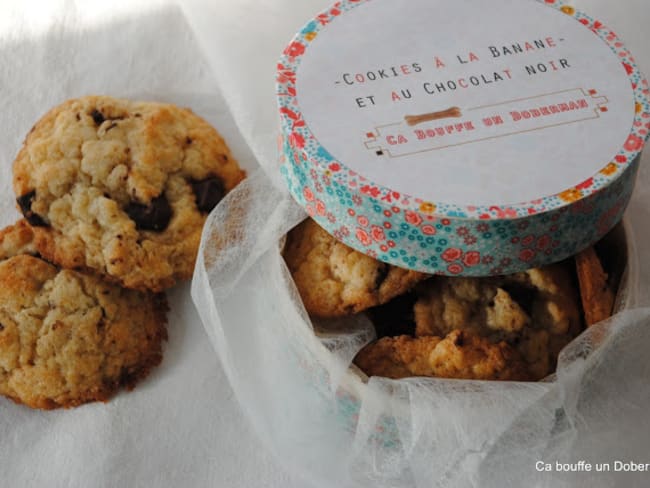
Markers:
(68, 337)
(122, 187)
(596, 294)
(335, 280)
(459, 355)
(536, 311)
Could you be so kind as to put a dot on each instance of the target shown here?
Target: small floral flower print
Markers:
(452, 254)
(609, 170)
(294, 49)
(377, 233)
(472, 258)
(527, 255)
(363, 237)
(633, 143)
(427, 207)
(571, 195)
(428, 230)
(412, 218)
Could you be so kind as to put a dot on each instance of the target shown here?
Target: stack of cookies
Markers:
(114, 195)
(494, 328)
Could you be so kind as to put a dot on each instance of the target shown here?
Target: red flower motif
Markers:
(363, 237)
(482, 227)
(629, 69)
(470, 240)
(452, 254)
(543, 242)
(296, 140)
(335, 167)
(428, 230)
(356, 199)
(310, 210)
(378, 233)
(307, 193)
(363, 220)
(633, 143)
(585, 184)
(285, 75)
(620, 159)
(320, 208)
(455, 268)
(472, 258)
(528, 240)
(294, 49)
(370, 190)
(412, 218)
(527, 255)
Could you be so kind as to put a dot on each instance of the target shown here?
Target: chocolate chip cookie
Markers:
(459, 355)
(122, 187)
(69, 337)
(537, 311)
(334, 280)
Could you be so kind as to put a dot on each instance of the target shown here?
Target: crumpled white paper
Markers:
(320, 418)
(181, 426)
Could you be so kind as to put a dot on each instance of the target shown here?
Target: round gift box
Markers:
(619, 256)
(448, 138)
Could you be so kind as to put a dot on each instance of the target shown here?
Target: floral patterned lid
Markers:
(449, 138)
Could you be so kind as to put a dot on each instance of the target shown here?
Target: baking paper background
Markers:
(184, 426)
(181, 426)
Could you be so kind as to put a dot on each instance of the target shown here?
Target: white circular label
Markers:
(465, 102)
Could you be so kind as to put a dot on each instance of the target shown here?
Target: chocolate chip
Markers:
(523, 295)
(97, 116)
(460, 339)
(127, 378)
(188, 140)
(154, 216)
(208, 193)
(394, 318)
(382, 273)
(2, 327)
(25, 204)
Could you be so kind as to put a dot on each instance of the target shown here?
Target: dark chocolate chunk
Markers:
(382, 273)
(154, 216)
(25, 203)
(97, 116)
(394, 318)
(523, 295)
(128, 378)
(208, 193)
(460, 339)
(2, 327)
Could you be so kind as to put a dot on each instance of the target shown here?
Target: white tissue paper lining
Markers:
(319, 417)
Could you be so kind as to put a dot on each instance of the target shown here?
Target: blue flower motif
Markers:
(311, 27)
(323, 154)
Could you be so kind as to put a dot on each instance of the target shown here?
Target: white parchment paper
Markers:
(181, 426)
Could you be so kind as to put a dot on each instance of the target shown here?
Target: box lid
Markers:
(461, 137)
